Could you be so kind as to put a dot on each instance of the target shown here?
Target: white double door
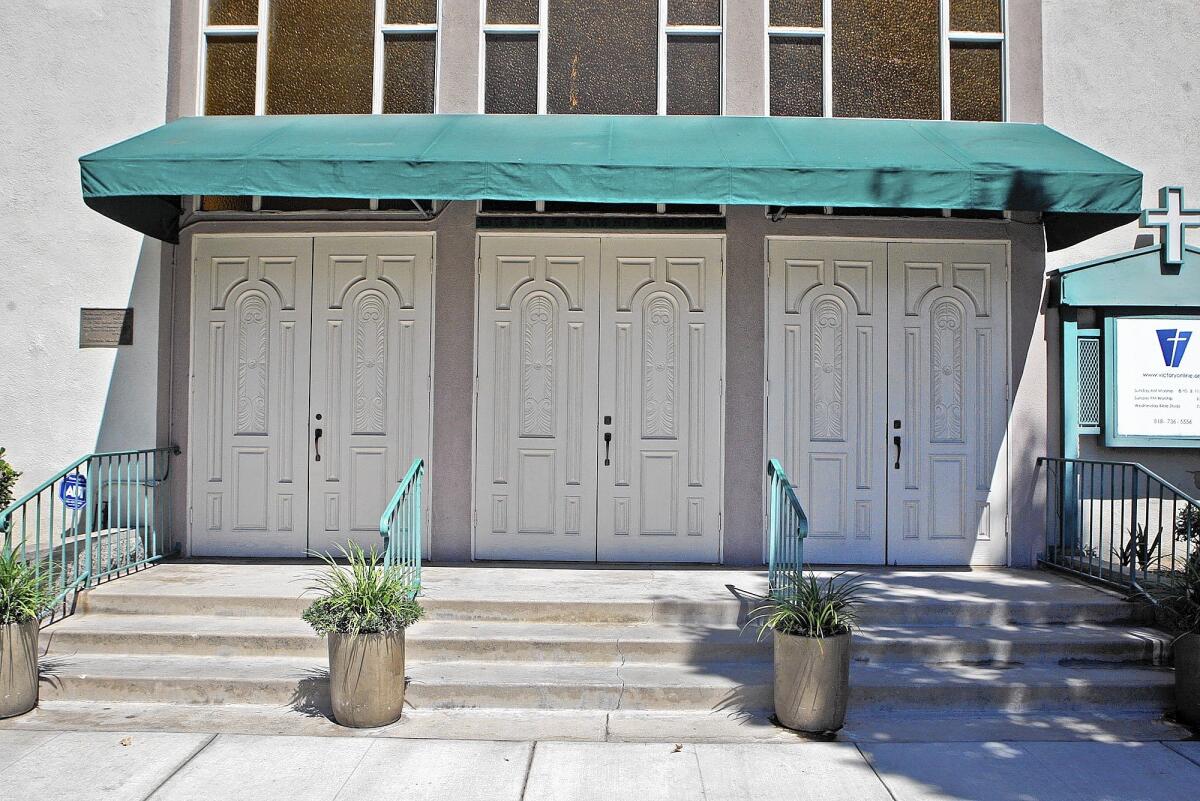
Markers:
(310, 387)
(888, 397)
(599, 398)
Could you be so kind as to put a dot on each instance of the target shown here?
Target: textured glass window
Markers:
(694, 75)
(229, 75)
(571, 207)
(410, 12)
(409, 70)
(886, 56)
(975, 15)
(796, 13)
(232, 12)
(512, 12)
(507, 206)
(511, 74)
(694, 12)
(320, 56)
(975, 79)
(226, 203)
(797, 83)
(314, 204)
(603, 57)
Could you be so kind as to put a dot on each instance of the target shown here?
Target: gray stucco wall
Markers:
(1125, 79)
(78, 75)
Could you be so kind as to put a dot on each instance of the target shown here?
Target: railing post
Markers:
(89, 524)
(1134, 517)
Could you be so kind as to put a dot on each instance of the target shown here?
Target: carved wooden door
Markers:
(250, 318)
(536, 424)
(661, 376)
(947, 346)
(370, 399)
(827, 390)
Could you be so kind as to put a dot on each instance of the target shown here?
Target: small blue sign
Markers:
(73, 491)
(1173, 343)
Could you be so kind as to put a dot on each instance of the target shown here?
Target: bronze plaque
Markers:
(105, 328)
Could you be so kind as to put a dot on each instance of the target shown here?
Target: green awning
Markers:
(777, 161)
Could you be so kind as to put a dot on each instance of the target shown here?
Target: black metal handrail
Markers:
(1117, 522)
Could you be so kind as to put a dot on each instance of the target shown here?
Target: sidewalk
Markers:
(132, 766)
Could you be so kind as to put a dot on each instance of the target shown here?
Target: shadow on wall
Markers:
(129, 417)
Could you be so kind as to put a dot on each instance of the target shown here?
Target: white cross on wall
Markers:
(1174, 220)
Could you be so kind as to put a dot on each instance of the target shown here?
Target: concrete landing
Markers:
(607, 653)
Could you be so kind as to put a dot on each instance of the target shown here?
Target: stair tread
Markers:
(270, 668)
(212, 625)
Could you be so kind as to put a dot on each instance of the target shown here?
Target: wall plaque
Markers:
(105, 328)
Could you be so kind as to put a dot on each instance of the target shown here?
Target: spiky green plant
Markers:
(812, 607)
(1178, 597)
(25, 592)
(366, 597)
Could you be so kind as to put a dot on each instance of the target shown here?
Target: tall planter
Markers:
(18, 668)
(366, 678)
(812, 681)
(1187, 678)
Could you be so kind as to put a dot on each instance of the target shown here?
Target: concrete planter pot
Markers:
(1187, 679)
(366, 678)
(812, 681)
(18, 668)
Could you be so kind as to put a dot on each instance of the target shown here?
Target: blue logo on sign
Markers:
(1173, 343)
(73, 491)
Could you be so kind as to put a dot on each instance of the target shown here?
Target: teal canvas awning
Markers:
(776, 161)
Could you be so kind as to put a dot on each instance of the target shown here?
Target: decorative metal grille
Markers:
(1089, 382)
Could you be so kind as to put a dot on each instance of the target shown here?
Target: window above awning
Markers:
(770, 161)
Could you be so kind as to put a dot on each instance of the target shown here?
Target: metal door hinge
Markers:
(720, 523)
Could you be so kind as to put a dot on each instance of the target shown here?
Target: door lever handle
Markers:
(896, 442)
(607, 442)
(317, 442)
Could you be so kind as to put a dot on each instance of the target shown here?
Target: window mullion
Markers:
(377, 65)
(260, 67)
(543, 60)
(944, 55)
(662, 57)
(827, 57)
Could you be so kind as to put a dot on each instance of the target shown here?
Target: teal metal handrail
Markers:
(1117, 523)
(109, 522)
(400, 524)
(787, 526)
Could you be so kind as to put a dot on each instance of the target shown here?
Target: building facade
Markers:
(588, 381)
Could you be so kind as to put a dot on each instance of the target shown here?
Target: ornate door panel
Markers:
(827, 390)
(661, 375)
(536, 424)
(372, 304)
(250, 317)
(947, 346)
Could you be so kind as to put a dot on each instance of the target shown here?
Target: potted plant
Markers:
(811, 622)
(1179, 609)
(24, 597)
(363, 611)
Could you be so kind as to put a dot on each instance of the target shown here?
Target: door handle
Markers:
(607, 442)
(317, 442)
(896, 442)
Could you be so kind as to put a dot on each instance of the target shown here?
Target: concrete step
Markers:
(1080, 644)
(602, 643)
(302, 683)
(1092, 607)
(598, 725)
(426, 641)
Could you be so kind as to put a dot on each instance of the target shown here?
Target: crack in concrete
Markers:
(620, 678)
